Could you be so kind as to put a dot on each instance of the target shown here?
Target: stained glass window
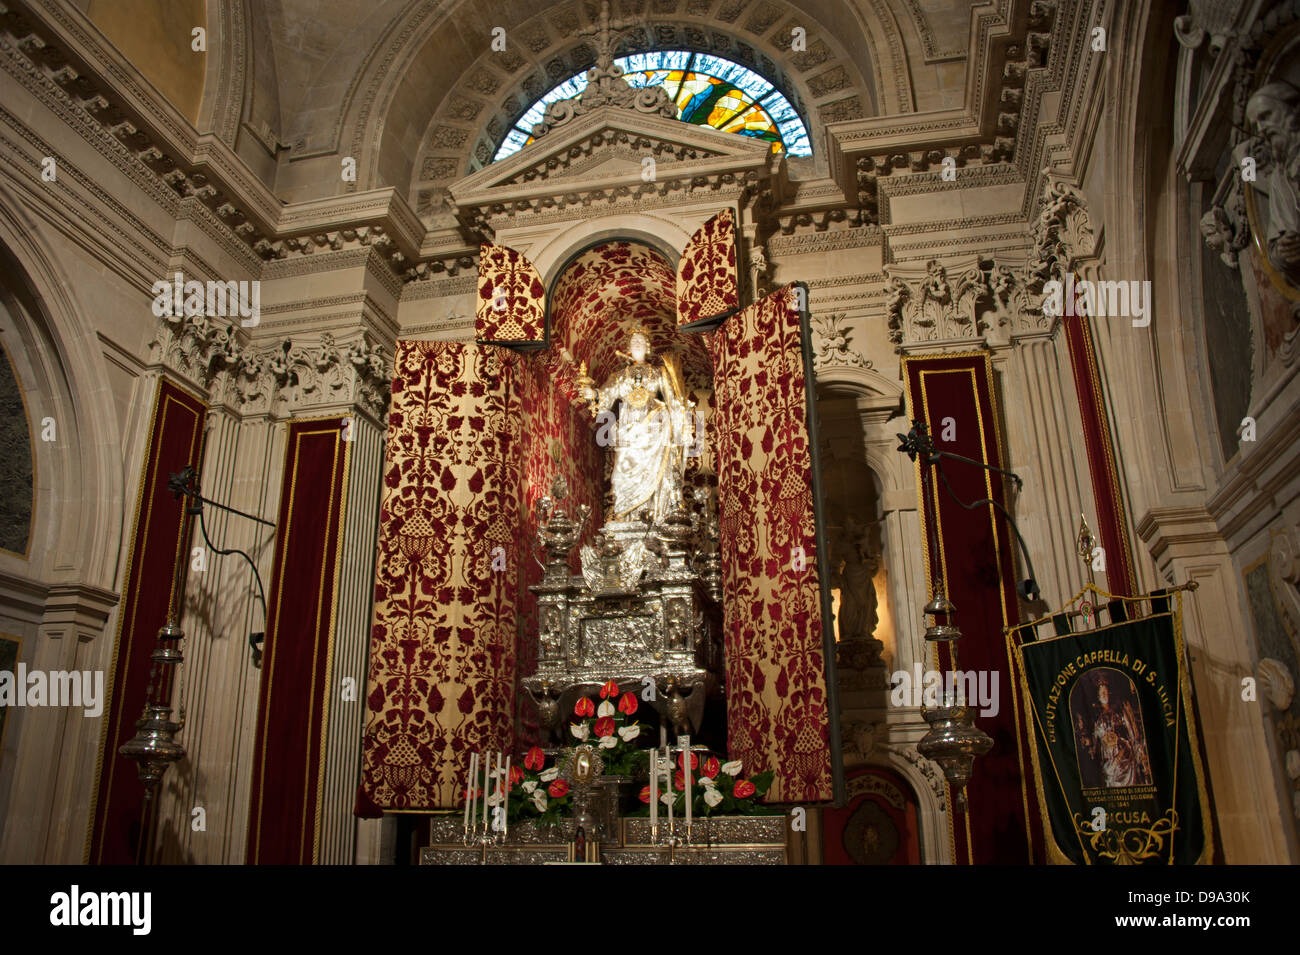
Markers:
(708, 91)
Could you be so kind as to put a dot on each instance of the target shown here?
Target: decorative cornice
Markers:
(283, 378)
(855, 237)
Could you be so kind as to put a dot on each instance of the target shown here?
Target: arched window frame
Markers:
(655, 68)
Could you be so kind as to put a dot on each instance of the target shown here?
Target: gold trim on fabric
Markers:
(1108, 447)
(1184, 711)
(330, 639)
(152, 451)
(282, 550)
(932, 650)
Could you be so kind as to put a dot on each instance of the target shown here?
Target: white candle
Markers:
(501, 791)
(672, 795)
(487, 787)
(469, 775)
(505, 800)
(471, 801)
(686, 773)
(654, 791)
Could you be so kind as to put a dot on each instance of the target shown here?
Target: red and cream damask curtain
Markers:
(781, 713)
(708, 284)
(442, 645)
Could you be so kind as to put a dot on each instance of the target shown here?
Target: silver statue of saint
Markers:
(655, 427)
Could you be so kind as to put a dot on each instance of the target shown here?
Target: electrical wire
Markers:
(1029, 588)
(208, 540)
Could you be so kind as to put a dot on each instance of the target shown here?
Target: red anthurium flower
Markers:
(608, 690)
(628, 704)
(584, 707)
(560, 787)
(711, 767)
(604, 726)
(534, 758)
(744, 789)
(516, 775)
(645, 794)
(695, 761)
(679, 781)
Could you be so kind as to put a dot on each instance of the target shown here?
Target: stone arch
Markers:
(77, 528)
(844, 381)
(933, 815)
(225, 70)
(664, 235)
(826, 83)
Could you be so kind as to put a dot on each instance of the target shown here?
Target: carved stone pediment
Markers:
(603, 157)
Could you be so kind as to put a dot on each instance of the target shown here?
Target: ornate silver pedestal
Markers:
(638, 614)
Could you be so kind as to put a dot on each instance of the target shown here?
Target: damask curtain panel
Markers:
(442, 646)
(781, 709)
(475, 434)
(708, 281)
(511, 303)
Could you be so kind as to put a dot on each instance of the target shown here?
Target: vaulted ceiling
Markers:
(415, 92)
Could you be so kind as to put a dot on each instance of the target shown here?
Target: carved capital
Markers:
(987, 296)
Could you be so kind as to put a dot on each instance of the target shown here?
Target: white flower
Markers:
(629, 733)
(539, 800)
(607, 742)
(733, 768)
(605, 709)
(494, 799)
(666, 798)
(549, 775)
(708, 782)
(580, 731)
(530, 785)
(712, 796)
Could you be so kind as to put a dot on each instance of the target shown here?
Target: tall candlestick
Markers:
(686, 774)
(487, 787)
(471, 798)
(505, 800)
(663, 736)
(654, 793)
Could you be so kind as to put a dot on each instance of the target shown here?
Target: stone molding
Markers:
(283, 378)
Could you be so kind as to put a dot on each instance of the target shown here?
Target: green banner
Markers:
(1119, 778)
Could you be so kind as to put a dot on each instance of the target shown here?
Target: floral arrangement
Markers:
(607, 724)
(717, 789)
(538, 793)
